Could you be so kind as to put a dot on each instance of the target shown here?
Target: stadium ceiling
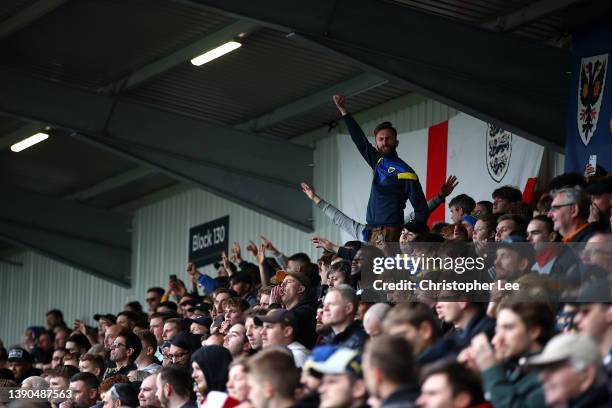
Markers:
(132, 121)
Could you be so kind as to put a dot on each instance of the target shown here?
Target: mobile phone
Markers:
(593, 162)
(173, 278)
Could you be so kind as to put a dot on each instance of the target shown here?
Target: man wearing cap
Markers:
(20, 363)
(339, 309)
(200, 325)
(279, 326)
(342, 385)
(181, 347)
(601, 202)
(513, 258)
(571, 372)
(295, 295)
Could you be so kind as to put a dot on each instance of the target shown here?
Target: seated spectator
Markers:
(147, 397)
(84, 387)
(172, 327)
(272, 378)
(295, 294)
(390, 378)
(522, 329)
(210, 369)
(468, 319)
(78, 343)
(111, 335)
(146, 360)
(127, 319)
(254, 330)
(93, 364)
(42, 353)
(174, 388)
(373, 319)
(121, 395)
(124, 351)
(235, 309)
(510, 224)
(513, 258)
(72, 359)
(181, 347)
(342, 384)
(572, 373)
(20, 363)
(339, 310)
(339, 273)
(200, 325)
(156, 325)
(570, 212)
(58, 357)
(236, 340)
(503, 197)
(483, 209)
(417, 324)
(35, 383)
(449, 384)
(460, 206)
(601, 202)
(550, 259)
(154, 296)
(598, 252)
(237, 382)
(594, 318)
(242, 283)
(279, 326)
(59, 379)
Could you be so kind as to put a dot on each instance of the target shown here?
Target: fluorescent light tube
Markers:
(215, 53)
(28, 142)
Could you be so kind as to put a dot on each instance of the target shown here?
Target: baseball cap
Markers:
(202, 320)
(109, 317)
(341, 360)
(186, 341)
(284, 316)
(600, 187)
(566, 346)
(19, 355)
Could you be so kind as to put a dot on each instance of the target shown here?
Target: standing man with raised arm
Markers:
(393, 183)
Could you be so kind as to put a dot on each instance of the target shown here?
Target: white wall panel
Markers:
(160, 234)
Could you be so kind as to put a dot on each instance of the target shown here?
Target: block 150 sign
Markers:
(207, 241)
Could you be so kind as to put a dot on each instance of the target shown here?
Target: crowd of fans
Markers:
(284, 331)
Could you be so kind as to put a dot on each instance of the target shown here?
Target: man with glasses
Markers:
(124, 351)
(569, 212)
(181, 347)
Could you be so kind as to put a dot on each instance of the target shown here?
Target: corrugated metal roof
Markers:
(8, 8)
(268, 71)
(482, 11)
(327, 114)
(90, 43)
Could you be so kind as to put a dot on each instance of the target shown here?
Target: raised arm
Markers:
(368, 152)
(341, 220)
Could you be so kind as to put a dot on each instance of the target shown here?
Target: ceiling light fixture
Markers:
(29, 141)
(215, 53)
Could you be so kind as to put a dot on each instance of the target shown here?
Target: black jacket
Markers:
(306, 316)
(597, 397)
(353, 337)
(405, 397)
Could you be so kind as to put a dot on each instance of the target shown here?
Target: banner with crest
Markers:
(589, 119)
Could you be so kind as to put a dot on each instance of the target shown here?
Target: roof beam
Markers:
(514, 83)
(252, 170)
(351, 87)
(27, 16)
(111, 183)
(97, 241)
(528, 14)
(230, 32)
